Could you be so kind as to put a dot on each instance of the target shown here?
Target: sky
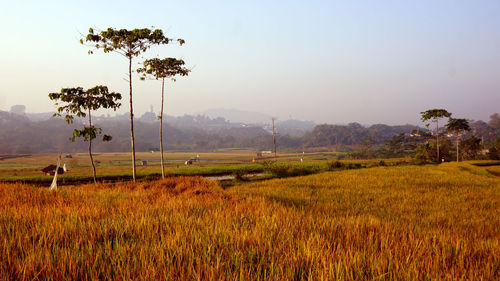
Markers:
(325, 61)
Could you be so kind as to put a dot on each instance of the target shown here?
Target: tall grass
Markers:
(387, 223)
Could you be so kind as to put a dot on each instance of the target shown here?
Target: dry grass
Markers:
(397, 223)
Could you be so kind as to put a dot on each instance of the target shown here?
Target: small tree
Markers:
(130, 44)
(435, 115)
(457, 126)
(427, 152)
(471, 147)
(80, 103)
(161, 69)
(494, 151)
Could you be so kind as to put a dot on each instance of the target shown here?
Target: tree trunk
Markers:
(437, 140)
(457, 147)
(132, 141)
(161, 128)
(90, 151)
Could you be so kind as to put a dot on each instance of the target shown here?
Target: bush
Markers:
(282, 170)
(335, 165)
(494, 153)
(351, 166)
(240, 174)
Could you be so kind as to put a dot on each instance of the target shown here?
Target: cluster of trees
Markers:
(344, 136)
(128, 43)
(459, 139)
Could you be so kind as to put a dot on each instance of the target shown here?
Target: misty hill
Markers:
(19, 134)
(22, 135)
(188, 133)
(20, 109)
(238, 116)
(294, 128)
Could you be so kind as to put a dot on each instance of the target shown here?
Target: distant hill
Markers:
(22, 134)
(294, 128)
(238, 116)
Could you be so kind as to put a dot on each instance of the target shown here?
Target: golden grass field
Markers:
(384, 223)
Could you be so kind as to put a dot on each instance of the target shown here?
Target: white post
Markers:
(53, 186)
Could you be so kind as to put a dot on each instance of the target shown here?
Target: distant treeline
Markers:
(22, 135)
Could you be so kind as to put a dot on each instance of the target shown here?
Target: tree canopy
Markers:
(163, 68)
(78, 101)
(457, 125)
(434, 114)
(129, 43)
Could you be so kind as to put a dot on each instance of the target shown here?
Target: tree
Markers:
(457, 126)
(395, 147)
(494, 151)
(494, 121)
(427, 152)
(434, 115)
(471, 147)
(130, 44)
(80, 103)
(161, 69)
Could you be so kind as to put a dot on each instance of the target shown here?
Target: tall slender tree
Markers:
(161, 69)
(457, 126)
(130, 44)
(434, 115)
(79, 102)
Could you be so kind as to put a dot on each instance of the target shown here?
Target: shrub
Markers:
(239, 174)
(335, 165)
(282, 170)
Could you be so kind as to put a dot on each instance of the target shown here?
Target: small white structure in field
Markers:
(53, 186)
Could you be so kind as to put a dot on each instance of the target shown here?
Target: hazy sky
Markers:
(327, 61)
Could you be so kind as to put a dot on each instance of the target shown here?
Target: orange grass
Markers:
(397, 223)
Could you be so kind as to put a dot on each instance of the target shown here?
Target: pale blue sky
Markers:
(327, 61)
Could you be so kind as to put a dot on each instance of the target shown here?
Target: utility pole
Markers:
(274, 137)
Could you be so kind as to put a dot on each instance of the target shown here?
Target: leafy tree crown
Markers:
(129, 43)
(457, 125)
(77, 101)
(163, 68)
(434, 114)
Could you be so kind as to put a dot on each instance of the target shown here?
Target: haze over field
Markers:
(368, 62)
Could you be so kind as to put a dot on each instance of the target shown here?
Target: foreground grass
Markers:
(397, 223)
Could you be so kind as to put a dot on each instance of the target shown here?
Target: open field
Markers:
(383, 223)
(117, 166)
